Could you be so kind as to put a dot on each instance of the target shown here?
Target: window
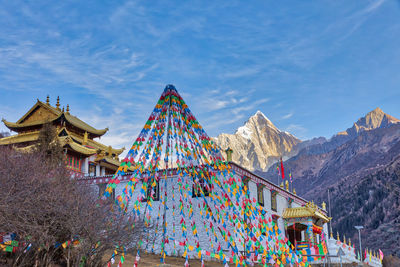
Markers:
(152, 191)
(92, 169)
(202, 185)
(260, 195)
(273, 201)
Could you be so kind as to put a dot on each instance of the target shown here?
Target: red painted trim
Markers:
(238, 170)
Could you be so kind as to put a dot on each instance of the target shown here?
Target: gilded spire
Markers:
(349, 242)
(338, 238)
(281, 185)
(67, 108)
(323, 205)
(344, 239)
(63, 109)
(58, 103)
(287, 185)
(48, 100)
(294, 191)
(331, 234)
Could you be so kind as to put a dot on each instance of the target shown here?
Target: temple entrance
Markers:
(293, 233)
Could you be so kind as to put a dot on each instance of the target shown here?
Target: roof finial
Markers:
(48, 100)
(323, 205)
(58, 103)
(67, 108)
(287, 185)
(63, 110)
(331, 234)
(338, 238)
(294, 191)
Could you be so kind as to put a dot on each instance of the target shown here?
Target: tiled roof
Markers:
(309, 210)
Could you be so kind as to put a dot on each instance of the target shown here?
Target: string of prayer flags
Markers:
(175, 179)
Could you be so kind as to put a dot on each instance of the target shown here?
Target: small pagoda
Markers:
(84, 155)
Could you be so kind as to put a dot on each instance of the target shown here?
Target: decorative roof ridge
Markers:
(109, 160)
(16, 138)
(67, 140)
(304, 211)
(70, 118)
(83, 125)
(101, 146)
(20, 134)
(38, 103)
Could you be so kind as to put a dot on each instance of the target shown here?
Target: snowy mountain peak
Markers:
(260, 120)
(258, 143)
(244, 131)
(260, 114)
(372, 120)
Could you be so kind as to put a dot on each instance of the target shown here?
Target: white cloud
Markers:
(287, 116)
(241, 73)
(297, 130)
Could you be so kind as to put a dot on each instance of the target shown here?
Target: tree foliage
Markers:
(45, 208)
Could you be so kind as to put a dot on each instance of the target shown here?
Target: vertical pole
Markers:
(359, 239)
(277, 182)
(166, 175)
(330, 212)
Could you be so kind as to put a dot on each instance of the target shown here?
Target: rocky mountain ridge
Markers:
(258, 143)
(372, 120)
(360, 166)
(362, 172)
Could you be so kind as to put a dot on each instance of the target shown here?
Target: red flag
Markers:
(282, 170)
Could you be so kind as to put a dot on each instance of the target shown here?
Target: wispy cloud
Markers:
(111, 61)
(241, 73)
(287, 116)
(297, 130)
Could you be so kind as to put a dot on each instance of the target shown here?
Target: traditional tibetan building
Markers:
(199, 204)
(298, 220)
(302, 222)
(84, 155)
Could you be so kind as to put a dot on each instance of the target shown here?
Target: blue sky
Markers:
(312, 67)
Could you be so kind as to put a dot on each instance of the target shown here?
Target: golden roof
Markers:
(71, 139)
(94, 144)
(20, 138)
(52, 115)
(108, 161)
(309, 210)
(67, 141)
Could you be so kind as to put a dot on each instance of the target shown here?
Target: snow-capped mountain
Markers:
(258, 143)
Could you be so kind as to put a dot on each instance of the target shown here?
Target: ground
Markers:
(150, 260)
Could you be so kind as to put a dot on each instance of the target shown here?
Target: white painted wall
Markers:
(206, 238)
(267, 199)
